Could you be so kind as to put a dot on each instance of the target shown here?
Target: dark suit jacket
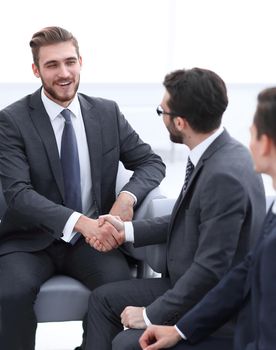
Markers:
(249, 289)
(211, 227)
(31, 173)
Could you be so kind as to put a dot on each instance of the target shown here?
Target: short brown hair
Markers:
(265, 115)
(48, 36)
(199, 95)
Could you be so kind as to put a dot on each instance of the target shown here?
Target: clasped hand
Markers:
(109, 235)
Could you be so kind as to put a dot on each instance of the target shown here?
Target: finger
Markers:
(111, 236)
(101, 221)
(146, 339)
(115, 221)
(123, 318)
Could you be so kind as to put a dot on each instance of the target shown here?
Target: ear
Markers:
(35, 70)
(80, 61)
(266, 145)
(180, 123)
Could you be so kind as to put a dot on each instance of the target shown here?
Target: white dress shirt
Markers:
(53, 109)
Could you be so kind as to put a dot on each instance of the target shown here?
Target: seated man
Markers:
(250, 288)
(59, 156)
(219, 211)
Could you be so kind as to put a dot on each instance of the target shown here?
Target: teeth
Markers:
(63, 84)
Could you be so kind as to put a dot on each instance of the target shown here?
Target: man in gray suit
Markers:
(53, 203)
(215, 220)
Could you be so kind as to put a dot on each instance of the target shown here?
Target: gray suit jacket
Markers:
(211, 227)
(31, 173)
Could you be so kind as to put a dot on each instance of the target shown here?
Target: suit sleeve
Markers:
(151, 231)
(223, 209)
(265, 280)
(136, 155)
(19, 193)
(218, 306)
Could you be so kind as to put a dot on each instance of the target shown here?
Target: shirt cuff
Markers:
(68, 232)
(129, 232)
(146, 319)
(132, 195)
(180, 333)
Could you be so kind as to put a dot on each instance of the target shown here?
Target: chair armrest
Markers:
(156, 253)
(142, 213)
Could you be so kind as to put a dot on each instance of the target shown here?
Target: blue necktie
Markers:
(189, 170)
(69, 157)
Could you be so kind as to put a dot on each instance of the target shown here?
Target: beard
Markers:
(176, 138)
(65, 97)
(175, 135)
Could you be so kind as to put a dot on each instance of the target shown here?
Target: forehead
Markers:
(166, 98)
(57, 52)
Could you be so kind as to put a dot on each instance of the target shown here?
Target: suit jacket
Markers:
(249, 289)
(210, 229)
(31, 173)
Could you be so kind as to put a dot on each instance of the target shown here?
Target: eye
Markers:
(71, 62)
(51, 65)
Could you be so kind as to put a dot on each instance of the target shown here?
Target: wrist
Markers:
(127, 199)
(83, 224)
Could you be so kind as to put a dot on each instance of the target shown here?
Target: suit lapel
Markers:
(94, 140)
(44, 128)
(183, 197)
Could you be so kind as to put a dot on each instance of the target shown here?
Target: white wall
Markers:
(141, 40)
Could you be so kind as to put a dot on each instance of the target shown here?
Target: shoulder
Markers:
(228, 154)
(16, 106)
(97, 102)
(20, 107)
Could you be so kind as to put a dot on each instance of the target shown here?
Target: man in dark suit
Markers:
(59, 156)
(250, 288)
(215, 219)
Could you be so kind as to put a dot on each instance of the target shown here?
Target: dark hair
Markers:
(49, 36)
(265, 115)
(198, 95)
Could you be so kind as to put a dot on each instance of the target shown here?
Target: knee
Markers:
(99, 297)
(107, 297)
(118, 343)
(126, 340)
(17, 293)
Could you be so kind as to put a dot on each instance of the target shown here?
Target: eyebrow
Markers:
(66, 59)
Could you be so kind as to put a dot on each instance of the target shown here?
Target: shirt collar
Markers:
(198, 151)
(53, 109)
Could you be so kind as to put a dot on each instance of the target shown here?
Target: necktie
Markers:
(189, 170)
(69, 157)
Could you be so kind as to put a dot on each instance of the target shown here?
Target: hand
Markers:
(123, 207)
(109, 220)
(107, 236)
(132, 317)
(159, 337)
(113, 220)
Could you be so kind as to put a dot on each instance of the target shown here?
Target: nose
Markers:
(63, 71)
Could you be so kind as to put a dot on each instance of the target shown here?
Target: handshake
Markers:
(104, 234)
(108, 231)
